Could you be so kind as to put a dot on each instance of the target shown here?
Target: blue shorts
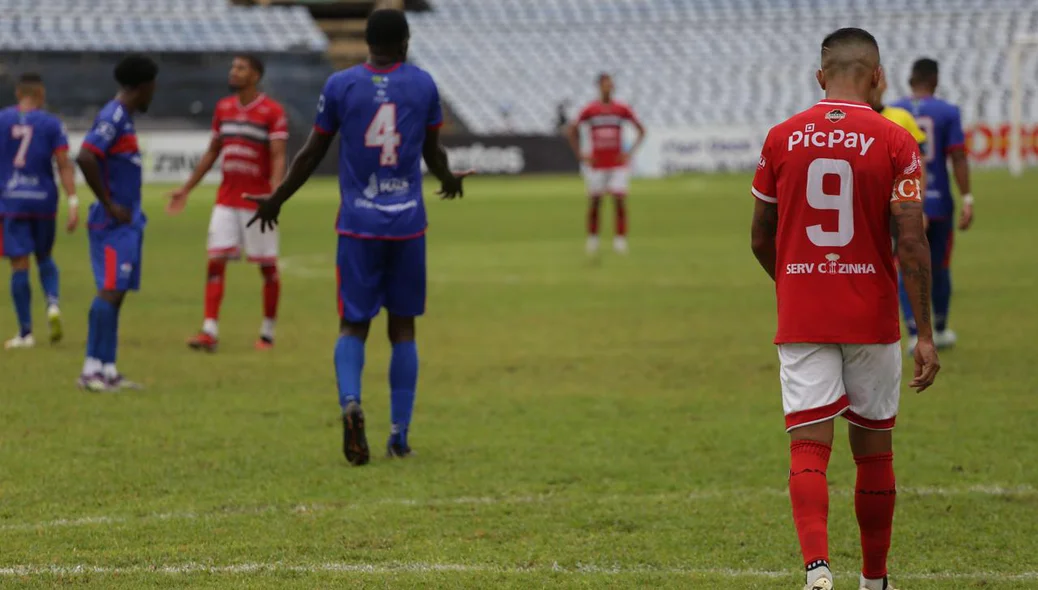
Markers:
(373, 274)
(115, 254)
(23, 236)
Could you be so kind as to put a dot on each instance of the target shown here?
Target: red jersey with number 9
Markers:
(833, 171)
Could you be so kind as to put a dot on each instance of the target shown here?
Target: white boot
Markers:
(592, 245)
(620, 245)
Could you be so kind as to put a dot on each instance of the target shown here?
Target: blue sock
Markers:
(104, 324)
(93, 348)
(115, 334)
(941, 297)
(21, 292)
(906, 307)
(49, 279)
(403, 380)
(349, 364)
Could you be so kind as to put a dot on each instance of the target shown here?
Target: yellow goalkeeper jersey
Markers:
(905, 120)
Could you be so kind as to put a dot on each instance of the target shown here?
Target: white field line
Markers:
(316, 508)
(431, 568)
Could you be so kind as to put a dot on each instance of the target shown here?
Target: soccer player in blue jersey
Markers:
(111, 163)
(31, 140)
(387, 114)
(942, 124)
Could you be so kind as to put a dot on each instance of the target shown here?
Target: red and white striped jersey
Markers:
(245, 133)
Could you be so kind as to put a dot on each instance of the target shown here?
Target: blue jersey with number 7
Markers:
(381, 116)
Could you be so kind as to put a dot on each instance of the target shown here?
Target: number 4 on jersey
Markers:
(382, 134)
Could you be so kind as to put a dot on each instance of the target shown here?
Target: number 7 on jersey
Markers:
(382, 134)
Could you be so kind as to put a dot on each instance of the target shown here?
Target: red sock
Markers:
(271, 290)
(214, 288)
(874, 496)
(621, 216)
(809, 493)
(594, 203)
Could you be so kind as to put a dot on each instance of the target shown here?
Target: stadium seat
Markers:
(704, 62)
(156, 25)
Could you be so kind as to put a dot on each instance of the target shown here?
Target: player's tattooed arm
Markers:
(763, 232)
(439, 166)
(914, 255)
(913, 252)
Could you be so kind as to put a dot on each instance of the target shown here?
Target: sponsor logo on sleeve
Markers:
(906, 189)
(105, 130)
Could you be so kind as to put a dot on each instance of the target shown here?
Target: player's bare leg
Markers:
(809, 450)
(875, 493)
(21, 293)
(620, 210)
(349, 364)
(593, 208)
(403, 380)
(271, 294)
(208, 338)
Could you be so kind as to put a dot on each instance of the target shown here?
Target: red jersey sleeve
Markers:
(278, 123)
(908, 168)
(585, 114)
(764, 180)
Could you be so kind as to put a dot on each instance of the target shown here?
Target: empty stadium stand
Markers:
(704, 62)
(155, 25)
(76, 43)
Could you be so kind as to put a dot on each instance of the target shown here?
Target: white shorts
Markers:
(602, 181)
(228, 236)
(822, 381)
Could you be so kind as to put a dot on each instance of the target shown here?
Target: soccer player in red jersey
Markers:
(250, 131)
(606, 166)
(830, 182)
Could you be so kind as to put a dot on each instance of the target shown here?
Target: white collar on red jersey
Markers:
(259, 98)
(842, 103)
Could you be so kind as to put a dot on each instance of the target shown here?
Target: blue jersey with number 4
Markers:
(381, 116)
(28, 142)
(942, 124)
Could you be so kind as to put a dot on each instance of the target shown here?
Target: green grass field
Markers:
(610, 425)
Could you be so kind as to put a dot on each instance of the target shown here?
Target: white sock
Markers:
(871, 584)
(267, 329)
(109, 371)
(209, 326)
(52, 308)
(815, 574)
(91, 366)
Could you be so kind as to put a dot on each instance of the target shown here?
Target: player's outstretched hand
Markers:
(452, 188)
(119, 213)
(267, 214)
(966, 218)
(177, 201)
(926, 365)
(73, 219)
